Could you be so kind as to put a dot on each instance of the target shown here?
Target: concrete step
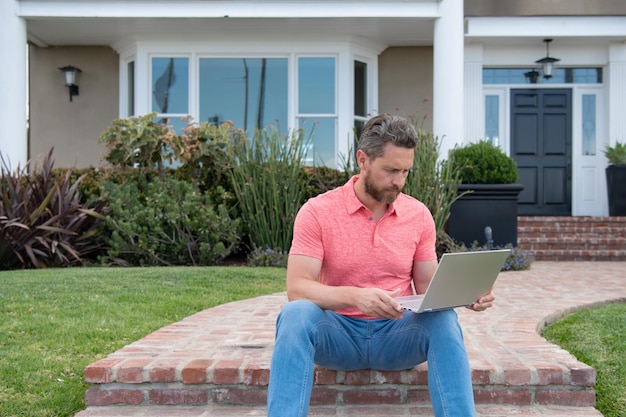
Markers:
(361, 411)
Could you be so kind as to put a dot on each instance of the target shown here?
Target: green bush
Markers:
(268, 183)
(318, 180)
(432, 181)
(483, 163)
(616, 154)
(166, 222)
(43, 222)
(205, 155)
(141, 142)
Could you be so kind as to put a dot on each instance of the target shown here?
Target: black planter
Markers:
(488, 205)
(616, 189)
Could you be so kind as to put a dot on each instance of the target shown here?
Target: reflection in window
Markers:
(130, 69)
(250, 92)
(170, 85)
(316, 85)
(492, 119)
(560, 76)
(316, 108)
(320, 134)
(360, 89)
(589, 124)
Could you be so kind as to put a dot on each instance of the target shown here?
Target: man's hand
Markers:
(483, 303)
(378, 303)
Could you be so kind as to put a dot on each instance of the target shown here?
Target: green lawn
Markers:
(55, 322)
(597, 337)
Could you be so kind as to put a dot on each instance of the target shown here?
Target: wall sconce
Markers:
(70, 78)
(547, 62)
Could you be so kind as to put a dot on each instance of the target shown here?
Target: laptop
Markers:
(460, 279)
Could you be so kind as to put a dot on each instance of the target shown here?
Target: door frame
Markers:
(588, 197)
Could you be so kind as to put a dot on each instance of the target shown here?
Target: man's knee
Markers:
(299, 314)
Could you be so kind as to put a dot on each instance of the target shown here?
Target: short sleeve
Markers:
(307, 234)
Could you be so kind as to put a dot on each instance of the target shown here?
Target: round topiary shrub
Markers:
(483, 163)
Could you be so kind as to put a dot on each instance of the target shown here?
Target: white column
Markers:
(617, 93)
(474, 109)
(13, 76)
(448, 102)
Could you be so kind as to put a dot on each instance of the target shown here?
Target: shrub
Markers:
(166, 222)
(318, 180)
(268, 257)
(141, 142)
(266, 177)
(432, 181)
(43, 222)
(483, 163)
(205, 151)
(616, 154)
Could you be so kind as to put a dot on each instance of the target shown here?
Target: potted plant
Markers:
(486, 211)
(616, 178)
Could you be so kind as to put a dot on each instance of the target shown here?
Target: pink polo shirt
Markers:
(355, 250)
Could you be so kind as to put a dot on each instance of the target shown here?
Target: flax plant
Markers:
(432, 181)
(267, 181)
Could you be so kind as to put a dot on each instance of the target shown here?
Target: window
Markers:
(589, 124)
(316, 108)
(250, 92)
(130, 104)
(561, 76)
(291, 88)
(360, 97)
(170, 90)
(492, 119)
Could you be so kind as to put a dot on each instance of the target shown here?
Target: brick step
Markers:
(572, 242)
(573, 238)
(386, 388)
(574, 231)
(578, 255)
(363, 411)
(221, 357)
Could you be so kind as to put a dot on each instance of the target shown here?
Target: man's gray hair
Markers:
(386, 128)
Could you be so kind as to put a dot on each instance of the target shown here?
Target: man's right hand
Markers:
(378, 303)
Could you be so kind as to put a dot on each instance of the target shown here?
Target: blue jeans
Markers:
(307, 334)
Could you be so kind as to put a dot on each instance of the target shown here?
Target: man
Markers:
(354, 249)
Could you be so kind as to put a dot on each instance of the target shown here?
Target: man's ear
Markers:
(361, 157)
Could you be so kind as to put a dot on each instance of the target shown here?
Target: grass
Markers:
(597, 337)
(55, 322)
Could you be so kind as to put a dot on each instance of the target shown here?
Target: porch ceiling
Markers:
(385, 31)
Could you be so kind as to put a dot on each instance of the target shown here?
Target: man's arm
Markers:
(423, 272)
(302, 284)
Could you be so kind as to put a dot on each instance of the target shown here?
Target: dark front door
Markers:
(541, 144)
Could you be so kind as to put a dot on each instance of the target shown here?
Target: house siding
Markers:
(73, 128)
(406, 82)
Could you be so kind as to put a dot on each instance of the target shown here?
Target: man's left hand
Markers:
(483, 303)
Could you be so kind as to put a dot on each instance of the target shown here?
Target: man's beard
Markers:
(380, 195)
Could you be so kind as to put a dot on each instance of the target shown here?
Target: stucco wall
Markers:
(73, 128)
(545, 7)
(406, 82)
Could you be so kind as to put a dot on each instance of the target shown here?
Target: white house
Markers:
(469, 66)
